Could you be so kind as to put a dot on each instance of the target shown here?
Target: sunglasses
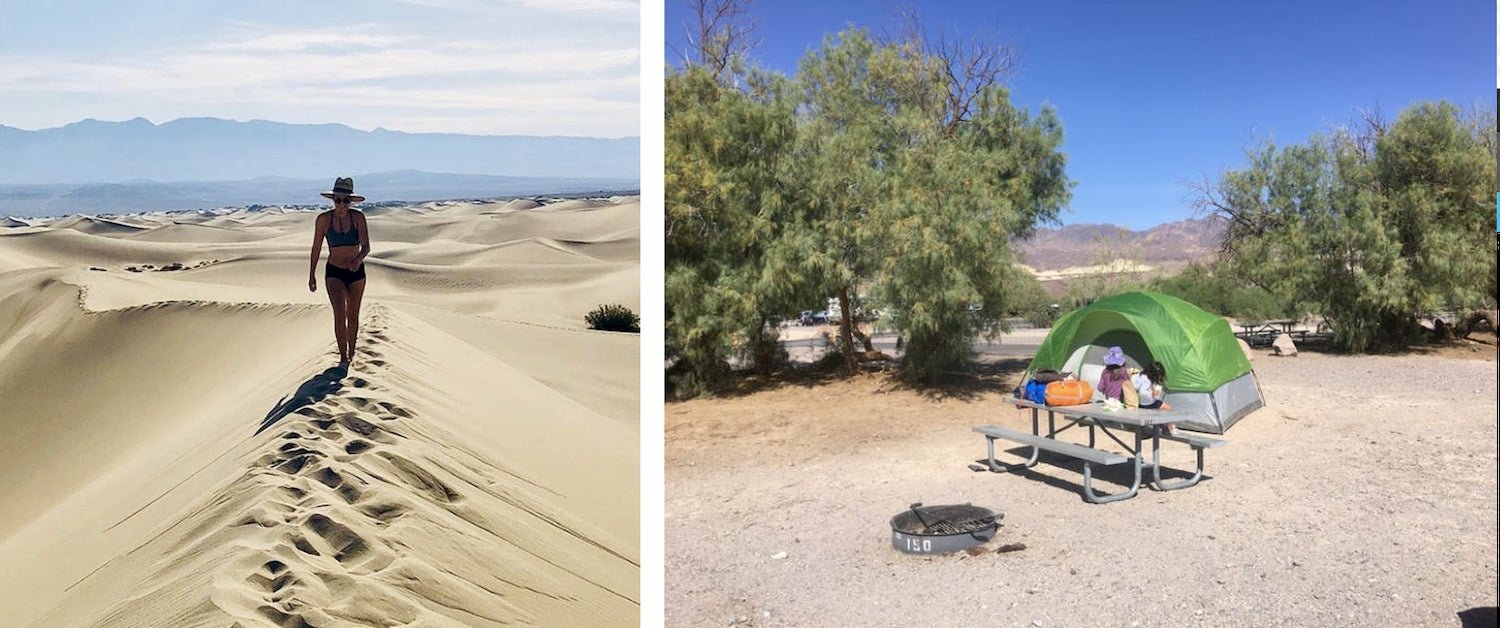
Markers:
(342, 200)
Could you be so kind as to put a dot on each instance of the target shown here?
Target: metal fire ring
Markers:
(943, 529)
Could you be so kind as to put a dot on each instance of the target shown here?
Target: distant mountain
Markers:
(211, 149)
(1170, 245)
(56, 199)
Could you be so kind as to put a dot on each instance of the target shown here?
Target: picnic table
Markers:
(1142, 425)
(1256, 332)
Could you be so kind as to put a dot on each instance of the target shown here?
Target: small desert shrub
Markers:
(613, 317)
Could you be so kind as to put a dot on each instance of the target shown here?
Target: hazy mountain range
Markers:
(115, 167)
(1165, 246)
(56, 199)
(211, 149)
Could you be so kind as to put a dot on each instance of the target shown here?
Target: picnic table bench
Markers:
(1142, 424)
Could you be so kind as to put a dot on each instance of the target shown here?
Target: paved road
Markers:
(887, 343)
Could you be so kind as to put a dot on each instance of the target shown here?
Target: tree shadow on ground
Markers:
(989, 374)
(1480, 617)
(316, 389)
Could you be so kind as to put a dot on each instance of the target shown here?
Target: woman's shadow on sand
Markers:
(316, 389)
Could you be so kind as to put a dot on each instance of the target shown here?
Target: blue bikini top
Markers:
(342, 238)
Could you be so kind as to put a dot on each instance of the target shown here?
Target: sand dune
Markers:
(96, 226)
(71, 248)
(613, 250)
(524, 251)
(203, 234)
(576, 204)
(520, 204)
(178, 448)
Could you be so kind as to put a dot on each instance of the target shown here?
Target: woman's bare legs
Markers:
(338, 296)
(351, 313)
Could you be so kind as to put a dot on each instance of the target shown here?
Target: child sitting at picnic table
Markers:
(1149, 387)
(1115, 378)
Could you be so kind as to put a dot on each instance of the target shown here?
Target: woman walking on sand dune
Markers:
(348, 244)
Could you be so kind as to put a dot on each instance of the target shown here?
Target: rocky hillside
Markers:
(1166, 246)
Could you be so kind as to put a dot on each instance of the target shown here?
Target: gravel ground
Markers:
(1364, 494)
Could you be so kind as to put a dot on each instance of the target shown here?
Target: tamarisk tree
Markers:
(1372, 227)
(727, 199)
(917, 197)
(882, 168)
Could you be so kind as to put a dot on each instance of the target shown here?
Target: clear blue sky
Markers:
(1156, 94)
(533, 67)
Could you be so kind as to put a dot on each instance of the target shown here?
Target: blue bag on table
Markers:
(1035, 389)
(1036, 392)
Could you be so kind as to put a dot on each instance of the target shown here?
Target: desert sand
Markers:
(1364, 494)
(177, 448)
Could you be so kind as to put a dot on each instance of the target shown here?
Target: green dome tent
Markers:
(1207, 373)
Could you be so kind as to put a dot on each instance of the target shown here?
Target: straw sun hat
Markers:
(344, 186)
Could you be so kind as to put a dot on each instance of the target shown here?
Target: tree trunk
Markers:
(1442, 332)
(846, 335)
(764, 351)
(864, 339)
(1471, 324)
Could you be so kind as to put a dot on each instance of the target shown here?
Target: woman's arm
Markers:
(319, 226)
(364, 239)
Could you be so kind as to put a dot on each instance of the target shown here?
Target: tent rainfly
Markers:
(1207, 373)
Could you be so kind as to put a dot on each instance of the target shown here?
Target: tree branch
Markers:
(721, 33)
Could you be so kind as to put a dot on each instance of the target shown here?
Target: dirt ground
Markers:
(1364, 494)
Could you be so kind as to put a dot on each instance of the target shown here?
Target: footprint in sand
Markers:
(301, 545)
(334, 480)
(300, 436)
(360, 404)
(280, 618)
(272, 579)
(327, 429)
(395, 409)
(354, 423)
(289, 459)
(420, 479)
(383, 410)
(291, 449)
(314, 412)
(349, 548)
(384, 513)
(357, 446)
(277, 587)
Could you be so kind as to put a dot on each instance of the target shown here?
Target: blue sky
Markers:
(534, 67)
(1153, 95)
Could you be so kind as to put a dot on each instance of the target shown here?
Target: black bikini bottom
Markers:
(344, 275)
